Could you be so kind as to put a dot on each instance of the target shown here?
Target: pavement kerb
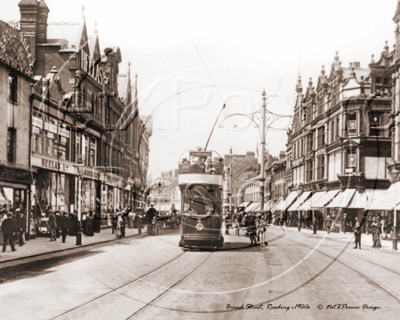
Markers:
(68, 249)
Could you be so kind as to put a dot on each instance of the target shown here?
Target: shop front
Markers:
(112, 197)
(15, 191)
(53, 188)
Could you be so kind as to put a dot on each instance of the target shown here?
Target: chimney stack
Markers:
(28, 23)
(43, 13)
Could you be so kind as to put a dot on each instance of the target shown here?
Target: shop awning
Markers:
(362, 200)
(250, 207)
(285, 204)
(387, 200)
(244, 204)
(277, 206)
(299, 201)
(323, 199)
(256, 207)
(268, 205)
(342, 200)
(307, 205)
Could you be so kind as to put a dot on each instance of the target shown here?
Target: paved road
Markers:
(147, 277)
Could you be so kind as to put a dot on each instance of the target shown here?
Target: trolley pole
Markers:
(262, 179)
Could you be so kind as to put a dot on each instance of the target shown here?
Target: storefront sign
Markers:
(37, 122)
(54, 165)
(15, 174)
(50, 127)
(91, 174)
(91, 68)
(64, 132)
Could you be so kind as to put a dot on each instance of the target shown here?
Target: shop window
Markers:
(64, 143)
(11, 145)
(13, 88)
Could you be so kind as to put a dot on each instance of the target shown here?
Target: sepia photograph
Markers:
(199, 160)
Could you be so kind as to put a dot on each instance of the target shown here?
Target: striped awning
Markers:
(299, 201)
(342, 200)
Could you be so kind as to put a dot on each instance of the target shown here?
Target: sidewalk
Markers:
(41, 246)
(366, 240)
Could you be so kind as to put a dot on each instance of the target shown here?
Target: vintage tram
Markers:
(200, 183)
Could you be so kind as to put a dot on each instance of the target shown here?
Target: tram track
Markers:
(336, 259)
(358, 257)
(136, 313)
(119, 287)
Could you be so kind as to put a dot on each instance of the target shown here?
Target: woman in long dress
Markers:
(376, 230)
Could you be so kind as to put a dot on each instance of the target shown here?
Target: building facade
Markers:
(85, 131)
(16, 76)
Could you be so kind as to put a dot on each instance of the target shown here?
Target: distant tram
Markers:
(200, 183)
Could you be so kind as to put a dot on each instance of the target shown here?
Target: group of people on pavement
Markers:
(12, 228)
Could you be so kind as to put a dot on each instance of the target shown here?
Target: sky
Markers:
(191, 58)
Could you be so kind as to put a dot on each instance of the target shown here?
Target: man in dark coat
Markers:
(21, 226)
(52, 225)
(58, 222)
(64, 224)
(8, 228)
(315, 224)
(357, 234)
(328, 223)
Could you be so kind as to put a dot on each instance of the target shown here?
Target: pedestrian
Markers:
(315, 224)
(64, 224)
(376, 230)
(117, 230)
(123, 223)
(89, 225)
(343, 223)
(21, 225)
(383, 228)
(52, 225)
(328, 223)
(96, 222)
(84, 223)
(357, 234)
(252, 230)
(58, 221)
(261, 230)
(113, 221)
(8, 228)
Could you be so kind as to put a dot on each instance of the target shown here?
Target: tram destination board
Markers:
(200, 153)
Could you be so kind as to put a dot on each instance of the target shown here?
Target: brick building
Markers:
(85, 128)
(16, 75)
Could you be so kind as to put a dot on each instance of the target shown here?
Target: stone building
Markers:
(339, 141)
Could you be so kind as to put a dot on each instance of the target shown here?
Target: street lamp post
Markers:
(230, 182)
(262, 179)
(271, 118)
(81, 169)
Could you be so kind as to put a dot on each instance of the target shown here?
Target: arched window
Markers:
(13, 87)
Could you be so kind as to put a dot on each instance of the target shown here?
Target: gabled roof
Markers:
(396, 17)
(94, 47)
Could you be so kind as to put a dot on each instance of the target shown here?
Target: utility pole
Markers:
(262, 179)
(230, 182)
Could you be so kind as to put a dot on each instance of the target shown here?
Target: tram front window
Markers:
(202, 200)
